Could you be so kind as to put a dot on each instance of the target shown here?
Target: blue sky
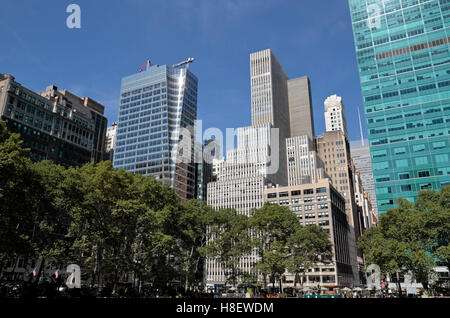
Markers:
(309, 37)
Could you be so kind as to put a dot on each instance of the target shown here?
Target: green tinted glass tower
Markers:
(402, 48)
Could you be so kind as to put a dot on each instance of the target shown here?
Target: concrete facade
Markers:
(334, 150)
(363, 162)
(270, 103)
(96, 111)
(303, 165)
(110, 141)
(319, 204)
(300, 107)
(335, 114)
(53, 128)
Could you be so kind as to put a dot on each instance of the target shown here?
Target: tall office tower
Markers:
(334, 150)
(158, 107)
(363, 162)
(96, 111)
(302, 162)
(110, 141)
(319, 203)
(300, 107)
(253, 164)
(403, 56)
(270, 101)
(335, 114)
(54, 129)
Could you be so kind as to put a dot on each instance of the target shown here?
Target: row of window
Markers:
(295, 193)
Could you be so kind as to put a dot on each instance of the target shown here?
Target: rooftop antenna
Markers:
(360, 128)
(146, 66)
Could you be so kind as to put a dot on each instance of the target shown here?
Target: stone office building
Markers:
(55, 130)
(319, 204)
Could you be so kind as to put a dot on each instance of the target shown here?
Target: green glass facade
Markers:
(402, 48)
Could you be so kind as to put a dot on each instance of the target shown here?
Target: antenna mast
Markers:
(360, 128)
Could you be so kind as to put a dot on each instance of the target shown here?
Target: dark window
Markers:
(321, 190)
(424, 174)
(406, 187)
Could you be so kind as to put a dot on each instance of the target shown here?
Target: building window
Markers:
(424, 174)
(405, 188)
(321, 190)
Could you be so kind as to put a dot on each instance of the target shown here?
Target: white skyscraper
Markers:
(260, 155)
(335, 115)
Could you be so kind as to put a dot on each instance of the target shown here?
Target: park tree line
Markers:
(113, 223)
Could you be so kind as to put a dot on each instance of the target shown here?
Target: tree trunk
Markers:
(116, 278)
(41, 266)
(273, 282)
(14, 267)
(295, 280)
(187, 270)
(400, 293)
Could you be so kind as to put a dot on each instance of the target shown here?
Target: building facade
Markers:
(303, 164)
(335, 114)
(363, 162)
(301, 113)
(402, 48)
(334, 150)
(319, 204)
(54, 129)
(110, 141)
(96, 112)
(155, 128)
(270, 103)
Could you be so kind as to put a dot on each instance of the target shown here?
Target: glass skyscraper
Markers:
(158, 108)
(402, 48)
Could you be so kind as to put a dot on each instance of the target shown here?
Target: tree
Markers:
(274, 263)
(397, 245)
(434, 222)
(122, 223)
(272, 226)
(16, 197)
(50, 217)
(309, 245)
(193, 225)
(229, 240)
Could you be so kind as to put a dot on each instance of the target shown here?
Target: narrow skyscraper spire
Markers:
(360, 128)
